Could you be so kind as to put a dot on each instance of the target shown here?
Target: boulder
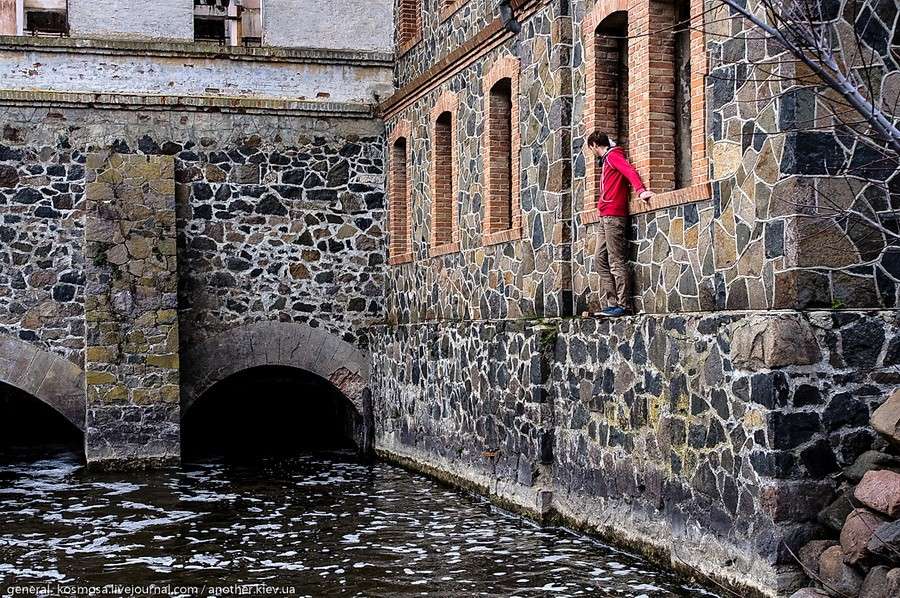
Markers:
(835, 514)
(837, 574)
(880, 490)
(886, 419)
(893, 578)
(773, 342)
(868, 461)
(809, 593)
(856, 533)
(885, 542)
(876, 584)
(809, 555)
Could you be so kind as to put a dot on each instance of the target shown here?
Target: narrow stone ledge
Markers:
(198, 103)
(193, 50)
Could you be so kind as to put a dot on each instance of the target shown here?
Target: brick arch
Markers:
(289, 344)
(51, 379)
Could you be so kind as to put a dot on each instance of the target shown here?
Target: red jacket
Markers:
(612, 200)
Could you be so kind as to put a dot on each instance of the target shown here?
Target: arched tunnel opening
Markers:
(268, 411)
(29, 428)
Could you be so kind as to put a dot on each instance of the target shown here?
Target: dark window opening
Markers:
(500, 156)
(31, 429)
(611, 94)
(209, 30)
(682, 64)
(46, 18)
(443, 196)
(268, 411)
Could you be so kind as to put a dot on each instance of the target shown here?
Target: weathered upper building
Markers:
(186, 186)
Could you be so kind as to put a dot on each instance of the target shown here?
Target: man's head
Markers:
(598, 143)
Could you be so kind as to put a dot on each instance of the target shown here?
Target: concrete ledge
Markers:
(193, 50)
(198, 103)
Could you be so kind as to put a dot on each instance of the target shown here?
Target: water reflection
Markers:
(316, 525)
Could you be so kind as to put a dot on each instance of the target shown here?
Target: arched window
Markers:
(444, 229)
(644, 85)
(399, 195)
(502, 219)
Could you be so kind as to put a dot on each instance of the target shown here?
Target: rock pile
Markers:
(862, 559)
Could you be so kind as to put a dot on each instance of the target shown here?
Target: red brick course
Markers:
(409, 24)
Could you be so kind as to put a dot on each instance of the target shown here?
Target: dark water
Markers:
(307, 526)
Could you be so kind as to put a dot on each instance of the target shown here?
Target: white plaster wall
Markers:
(335, 24)
(155, 76)
(132, 19)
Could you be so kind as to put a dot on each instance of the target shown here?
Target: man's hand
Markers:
(646, 195)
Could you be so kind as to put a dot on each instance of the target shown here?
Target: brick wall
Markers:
(650, 104)
(409, 24)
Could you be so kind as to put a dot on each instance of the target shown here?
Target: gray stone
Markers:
(768, 342)
(870, 460)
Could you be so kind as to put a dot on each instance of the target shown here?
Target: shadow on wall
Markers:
(30, 428)
(268, 411)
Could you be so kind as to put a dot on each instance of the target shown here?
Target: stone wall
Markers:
(519, 278)
(131, 309)
(280, 217)
(686, 436)
(339, 24)
(779, 228)
(133, 19)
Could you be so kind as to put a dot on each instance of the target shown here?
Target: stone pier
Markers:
(131, 301)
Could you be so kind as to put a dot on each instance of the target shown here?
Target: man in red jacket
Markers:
(611, 257)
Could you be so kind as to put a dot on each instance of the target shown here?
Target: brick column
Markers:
(131, 358)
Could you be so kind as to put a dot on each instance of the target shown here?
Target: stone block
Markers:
(880, 490)
(809, 593)
(886, 419)
(885, 542)
(809, 554)
(876, 584)
(837, 574)
(856, 533)
(772, 342)
(868, 461)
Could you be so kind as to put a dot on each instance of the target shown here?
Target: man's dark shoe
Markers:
(612, 312)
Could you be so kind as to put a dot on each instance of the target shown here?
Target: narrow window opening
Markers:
(228, 22)
(409, 19)
(500, 155)
(46, 17)
(443, 193)
(399, 197)
(682, 64)
(611, 81)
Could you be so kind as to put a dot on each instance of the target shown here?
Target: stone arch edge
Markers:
(50, 378)
(289, 344)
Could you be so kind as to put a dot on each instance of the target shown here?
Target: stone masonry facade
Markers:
(710, 423)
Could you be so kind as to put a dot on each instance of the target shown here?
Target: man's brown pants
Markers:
(611, 261)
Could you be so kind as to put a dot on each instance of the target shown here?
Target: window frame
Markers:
(400, 243)
(644, 139)
(507, 67)
(448, 102)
